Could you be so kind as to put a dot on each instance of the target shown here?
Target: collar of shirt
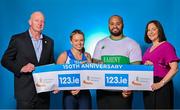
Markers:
(32, 38)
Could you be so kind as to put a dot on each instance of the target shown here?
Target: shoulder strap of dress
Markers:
(70, 55)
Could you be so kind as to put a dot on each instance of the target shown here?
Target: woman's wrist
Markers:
(162, 82)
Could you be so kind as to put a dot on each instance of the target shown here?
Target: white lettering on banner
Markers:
(71, 66)
(93, 76)
(92, 66)
(116, 80)
(69, 80)
(100, 66)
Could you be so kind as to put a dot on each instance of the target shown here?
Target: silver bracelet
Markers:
(163, 83)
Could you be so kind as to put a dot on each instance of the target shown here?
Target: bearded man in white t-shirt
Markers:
(116, 49)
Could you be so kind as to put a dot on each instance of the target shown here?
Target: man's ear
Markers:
(29, 22)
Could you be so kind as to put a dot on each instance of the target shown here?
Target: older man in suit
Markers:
(26, 51)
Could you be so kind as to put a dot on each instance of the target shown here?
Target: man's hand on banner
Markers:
(27, 68)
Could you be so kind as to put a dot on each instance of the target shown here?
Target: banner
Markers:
(93, 76)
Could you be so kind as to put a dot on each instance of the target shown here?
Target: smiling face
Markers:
(115, 26)
(152, 32)
(77, 41)
(36, 22)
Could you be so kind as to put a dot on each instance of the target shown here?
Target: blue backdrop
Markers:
(91, 16)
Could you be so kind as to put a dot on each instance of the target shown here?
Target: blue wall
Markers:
(91, 16)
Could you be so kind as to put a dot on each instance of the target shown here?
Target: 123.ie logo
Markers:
(116, 80)
(69, 80)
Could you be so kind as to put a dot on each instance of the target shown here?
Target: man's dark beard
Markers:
(116, 34)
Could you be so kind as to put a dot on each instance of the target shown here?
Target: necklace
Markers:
(155, 46)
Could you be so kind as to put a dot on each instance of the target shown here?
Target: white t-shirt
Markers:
(122, 51)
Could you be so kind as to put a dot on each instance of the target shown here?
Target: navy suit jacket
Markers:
(21, 52)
